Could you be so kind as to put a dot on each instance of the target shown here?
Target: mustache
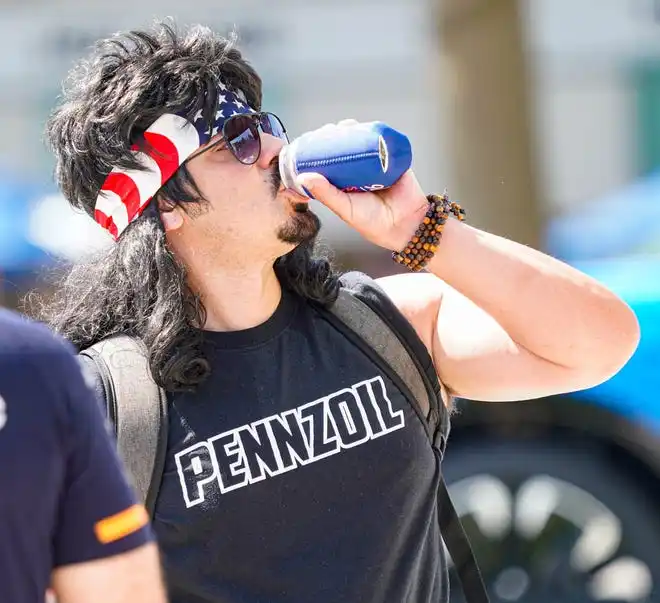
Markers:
(275, 179)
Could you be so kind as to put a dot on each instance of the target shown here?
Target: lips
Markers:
(298, 201)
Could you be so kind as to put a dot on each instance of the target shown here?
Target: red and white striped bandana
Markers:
(172, 139)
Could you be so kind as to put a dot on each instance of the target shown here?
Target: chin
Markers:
(301, 227)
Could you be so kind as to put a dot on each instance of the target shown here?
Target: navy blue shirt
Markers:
(64, 497)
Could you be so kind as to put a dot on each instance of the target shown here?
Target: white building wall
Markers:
(580, 53)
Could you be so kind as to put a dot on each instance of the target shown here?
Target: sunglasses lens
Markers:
(243, 138)
(271, 124)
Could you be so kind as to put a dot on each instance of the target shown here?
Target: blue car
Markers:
(561, 497)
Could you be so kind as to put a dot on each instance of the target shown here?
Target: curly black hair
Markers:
(137, 287)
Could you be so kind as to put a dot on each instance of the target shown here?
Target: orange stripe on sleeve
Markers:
(122, 524)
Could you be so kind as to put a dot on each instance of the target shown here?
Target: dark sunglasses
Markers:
(241, 134)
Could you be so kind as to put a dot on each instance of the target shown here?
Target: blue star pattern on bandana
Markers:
(172, 139)
(230, 103)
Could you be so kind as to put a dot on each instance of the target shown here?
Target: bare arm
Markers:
(132, 577)
(506, 322)
(502, 321)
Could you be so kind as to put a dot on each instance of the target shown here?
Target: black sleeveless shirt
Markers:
(298, 473)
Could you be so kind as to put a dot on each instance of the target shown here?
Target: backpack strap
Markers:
(138, 409)
(366, 309)
(356, 315)
(458, 545)
(399, 347)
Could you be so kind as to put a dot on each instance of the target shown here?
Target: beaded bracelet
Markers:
(424, 243)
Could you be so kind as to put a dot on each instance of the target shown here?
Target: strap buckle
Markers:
(440, 442)
(441, 432)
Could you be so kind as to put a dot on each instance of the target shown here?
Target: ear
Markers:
(171, 216)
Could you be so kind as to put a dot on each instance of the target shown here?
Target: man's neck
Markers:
(237, 299)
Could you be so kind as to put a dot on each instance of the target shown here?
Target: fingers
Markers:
(333, 198)
(342, 123)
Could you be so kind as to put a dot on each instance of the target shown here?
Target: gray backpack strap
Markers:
(138, 408)
(378, 334)
(359, 317)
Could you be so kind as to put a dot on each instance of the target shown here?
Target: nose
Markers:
(270, 148)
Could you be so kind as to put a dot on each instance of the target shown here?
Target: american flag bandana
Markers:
(172, 139)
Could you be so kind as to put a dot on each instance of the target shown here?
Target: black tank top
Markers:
(298, 473)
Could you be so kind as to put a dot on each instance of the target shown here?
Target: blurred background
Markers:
(542, 117)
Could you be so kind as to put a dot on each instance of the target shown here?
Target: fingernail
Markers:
(307, 183)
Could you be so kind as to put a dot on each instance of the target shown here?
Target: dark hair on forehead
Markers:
(130, 80)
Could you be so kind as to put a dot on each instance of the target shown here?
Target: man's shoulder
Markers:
(21, 336)
(360, 282)
(357, 281)
(34, 359)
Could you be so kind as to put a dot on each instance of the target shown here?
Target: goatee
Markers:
(301, 227)
(304, 224)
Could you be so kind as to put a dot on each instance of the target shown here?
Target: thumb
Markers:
(322, 190)
(313, 182)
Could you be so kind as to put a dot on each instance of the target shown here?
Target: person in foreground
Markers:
(296, 470)
(69, 520)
